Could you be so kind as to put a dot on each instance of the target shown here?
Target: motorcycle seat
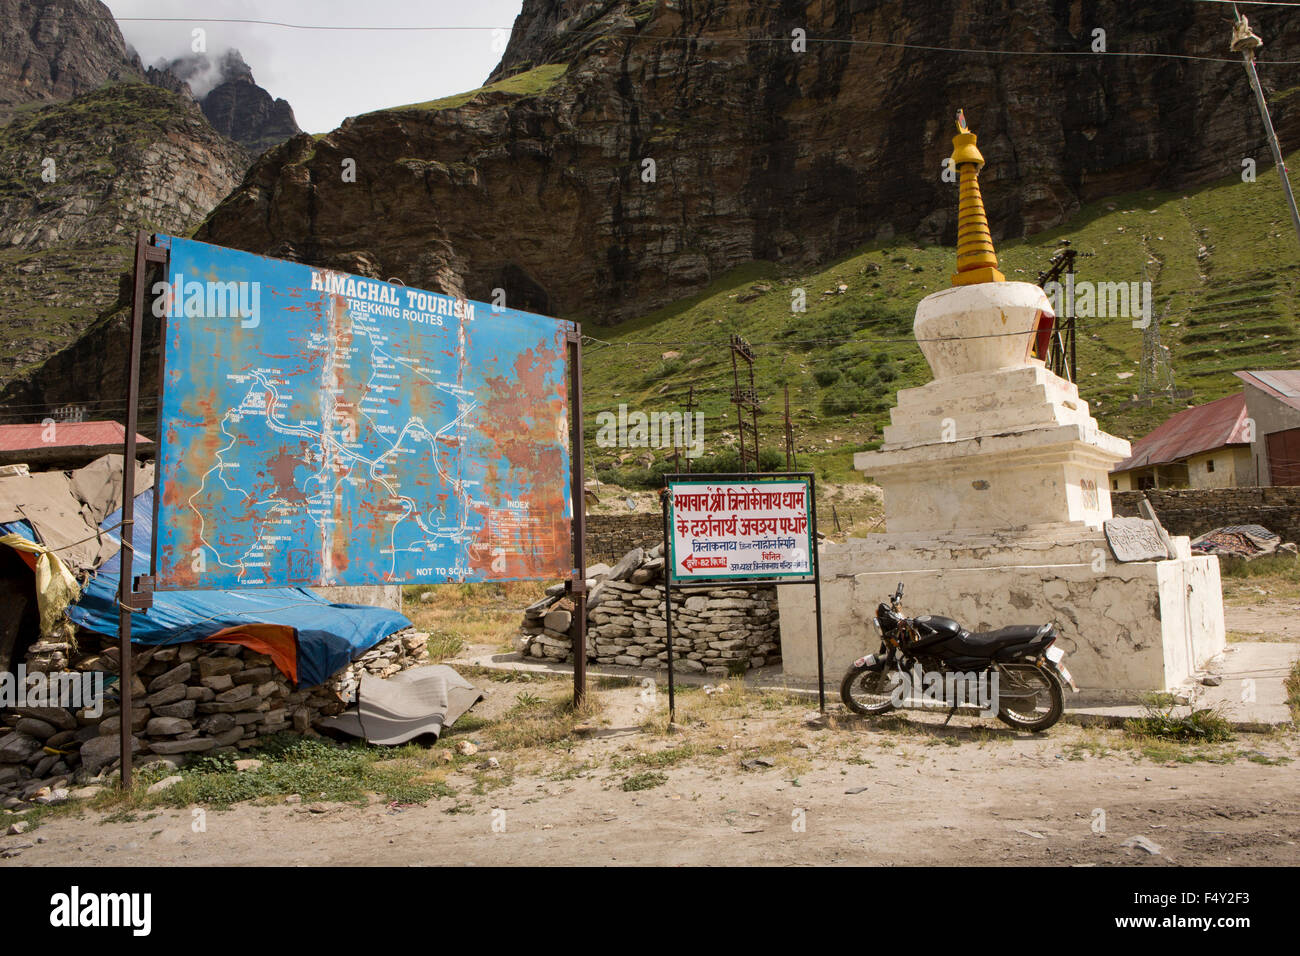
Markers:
(985, 643)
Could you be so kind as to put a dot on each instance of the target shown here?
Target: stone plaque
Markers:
(1135, 539)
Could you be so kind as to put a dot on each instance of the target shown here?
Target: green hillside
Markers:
(1223, 260)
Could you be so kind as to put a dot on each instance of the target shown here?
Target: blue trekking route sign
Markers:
(320, 428)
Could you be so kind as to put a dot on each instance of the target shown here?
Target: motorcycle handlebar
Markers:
(898, 595)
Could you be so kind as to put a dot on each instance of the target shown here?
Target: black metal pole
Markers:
(578, 581)
(817, 591)
(1279, 162)
(124, 584)
(664, 497)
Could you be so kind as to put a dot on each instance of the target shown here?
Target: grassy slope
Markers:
(534, 81)
(1222, 258)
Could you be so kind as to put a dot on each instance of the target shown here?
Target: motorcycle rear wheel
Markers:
(1021, 680)
(873, 683)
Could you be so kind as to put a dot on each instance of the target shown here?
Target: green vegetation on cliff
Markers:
(529, 83)
(1222, 260)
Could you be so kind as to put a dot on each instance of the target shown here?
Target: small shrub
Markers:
(1204, 725)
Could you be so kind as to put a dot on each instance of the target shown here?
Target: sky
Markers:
(328, 75)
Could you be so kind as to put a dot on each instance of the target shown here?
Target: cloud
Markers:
(203, 72)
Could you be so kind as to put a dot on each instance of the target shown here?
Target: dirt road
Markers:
(836, 796)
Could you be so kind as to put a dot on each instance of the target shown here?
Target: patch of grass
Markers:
(444, 645)
(541, 721)
(1169, 752)
(1254, 756)
(659, 759)
(529, 83)
(572, 771)
(315, 769)
(644, 781)
(1285, 567)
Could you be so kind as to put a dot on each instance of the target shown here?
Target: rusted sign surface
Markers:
(320, 428)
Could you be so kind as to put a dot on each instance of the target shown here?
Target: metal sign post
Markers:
(770, 538)
(578, 579)
(128, 599)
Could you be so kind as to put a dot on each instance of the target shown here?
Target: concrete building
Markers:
(1273, 405)
(1203, 447)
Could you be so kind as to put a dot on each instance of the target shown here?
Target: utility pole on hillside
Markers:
(1245, 42)
(745, 398)
(691, 405)
(789, 434)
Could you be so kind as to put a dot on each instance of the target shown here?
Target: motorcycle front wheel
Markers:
(867, 690)
(1029, 696)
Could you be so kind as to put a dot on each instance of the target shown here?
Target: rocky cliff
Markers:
(677, 139)
(94, 147)
(77, 179)
(51, 50)
(233, 102)
(623, 155)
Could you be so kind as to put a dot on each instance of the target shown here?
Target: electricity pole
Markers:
(1245, 42)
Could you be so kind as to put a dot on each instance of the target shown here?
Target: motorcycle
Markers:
(1014, 671)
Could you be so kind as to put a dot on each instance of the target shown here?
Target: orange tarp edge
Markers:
(277, 641)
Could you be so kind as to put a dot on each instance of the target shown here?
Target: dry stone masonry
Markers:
(196, 698)
(720, 631)
(1194, 511)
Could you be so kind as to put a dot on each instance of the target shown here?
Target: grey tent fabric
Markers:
(422, 700)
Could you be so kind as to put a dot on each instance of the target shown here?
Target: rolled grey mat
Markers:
(421, 700)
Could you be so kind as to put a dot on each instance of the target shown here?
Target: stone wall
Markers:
(1194, 511)
(720, 631)
(187, 699)
(609, 537)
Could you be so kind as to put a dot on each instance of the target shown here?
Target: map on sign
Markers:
(320, 428)
(739, 529)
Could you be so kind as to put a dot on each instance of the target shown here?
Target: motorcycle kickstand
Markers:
(950, 713)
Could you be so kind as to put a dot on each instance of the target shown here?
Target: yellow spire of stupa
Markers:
(976, 260)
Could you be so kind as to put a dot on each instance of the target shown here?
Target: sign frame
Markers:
(781, 577)
(419, 559)
(776, 579)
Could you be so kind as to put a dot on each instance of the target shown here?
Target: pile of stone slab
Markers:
(187, 699)
(719, 630)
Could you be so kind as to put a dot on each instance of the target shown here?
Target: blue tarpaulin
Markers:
(328, 635)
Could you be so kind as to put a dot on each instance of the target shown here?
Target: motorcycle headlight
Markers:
(875, 622)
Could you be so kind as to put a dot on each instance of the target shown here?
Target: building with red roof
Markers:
(1243, 440)
(52, 444)
(1203, 447)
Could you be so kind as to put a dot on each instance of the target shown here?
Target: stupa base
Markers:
(1127, 628)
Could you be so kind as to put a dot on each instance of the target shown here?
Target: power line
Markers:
(692, 40)
(1253, 3)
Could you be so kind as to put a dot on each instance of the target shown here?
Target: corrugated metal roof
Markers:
(1282, 384)
(1191, 432)
(65, 435)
